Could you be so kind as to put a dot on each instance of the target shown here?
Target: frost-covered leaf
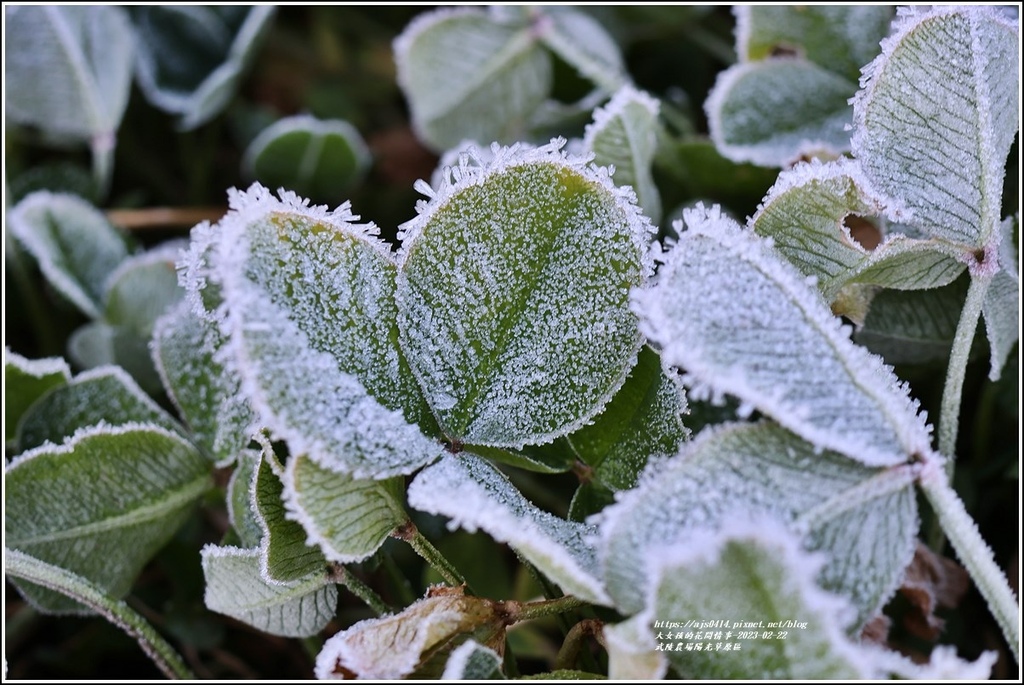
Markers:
(589, 498)
(241, 510)
(68, 71)
(309, 311)
(25, 381)
(394, 646)
(739, 319)
(764, 471)
(754, 573)
(555, 457)
(284, 555)
(937, 114)
(192, 58)
(475, 495)
(235, 587)
(842, 38)
(788, 96)
(642, 421)
(74, 244)
(624, 135)
(349, 519)
(314, 158)
(470, 74)
(804, 214)
(101, 504)
(513, 295)
(98, 344)
(142, 288)
(472, 661)
(105, 395)
(1001, 307)
(202, 383)
(633, 652)
(913, 327)
(583, 43)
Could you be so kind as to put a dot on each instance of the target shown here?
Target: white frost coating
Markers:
(511, 288)
(625, 96)
(934, 119)
(632, 651)
(1001, 307)
(786, 355)
(86, 432)
(471, 661)
(37, 368)
(943, 664)
(474, 495)
(295, 385)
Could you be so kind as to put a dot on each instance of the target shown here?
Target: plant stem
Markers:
(952, 392)
(21, 565)
(549, 607)
(340, 574)
(974, 554)
(411, 534)
(573, 643)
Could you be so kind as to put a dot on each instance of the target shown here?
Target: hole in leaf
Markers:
(863, 231)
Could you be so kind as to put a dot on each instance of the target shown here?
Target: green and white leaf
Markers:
(142, 288)
(471, 74)
(98, 344)
(235, 587)
(25, 381)
(581, 41)
(936, 116)
(475, 495)
(348, 519)
(101, 504)
(310, 317)
(200, 379)
(74, 244)
(472, 661)
(192, 58)
(315, 158)
(284, 555)
(842, 38)
(763, 471)
(104, 395)
(633, 652)
(623, 134)
(913, 327)
(241, 510)
(1001, 307)
(804, 214)
(760, 573)
(779, 110)
(740, 319)
(513, 295)
(643, 421)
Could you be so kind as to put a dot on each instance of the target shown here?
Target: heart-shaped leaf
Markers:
(513, 295)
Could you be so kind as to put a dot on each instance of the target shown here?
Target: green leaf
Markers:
(739, 319)
(475, 495)
(555, 457)
(840, 38)
(349, 519)
(199, 379)
(25, 381)
(913, 327)
(513, 295)
(778, 110)
(583, 43)
(624, 135)
(101, 504)
(105, 395)
(1001, 307)
(763, 471)
(804, 214)
(589, 499)
(236, 588)
(142, 288)
(310, 317)
(74, 244)
(753, 573)
(284, 555)
(241, 509)
(468, 74)
(937, 115)
(642, 421)
(192, 58)
(472, 661)
(99, 344)
(68, 71)
(317, 159)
